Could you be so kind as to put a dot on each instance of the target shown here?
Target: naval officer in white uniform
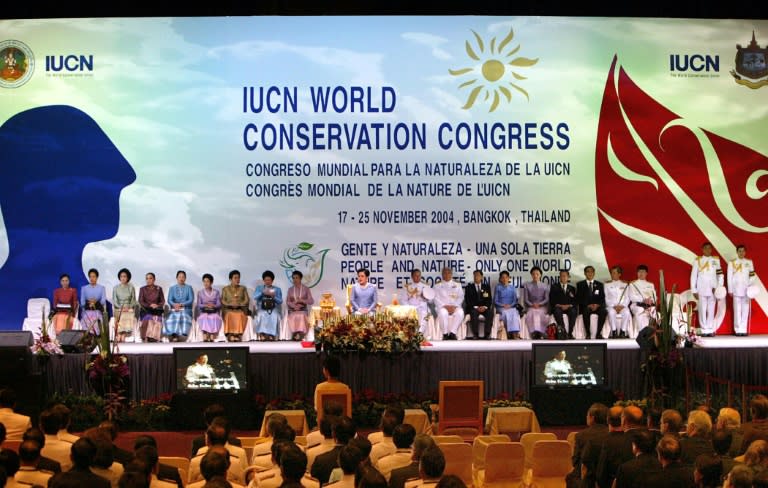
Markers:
(741, 275)
(706, 277)
(617, 305)
(449, 296)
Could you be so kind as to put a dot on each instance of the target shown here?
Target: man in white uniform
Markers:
(558, 369)
(200, 373)
(741, 274)
(414, 296)
(449, 296)
(642, 297)
(706, 276)
(617, 304)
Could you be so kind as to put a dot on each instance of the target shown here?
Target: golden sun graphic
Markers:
(495, 69)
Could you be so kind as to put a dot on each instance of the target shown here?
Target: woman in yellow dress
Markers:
(235, 301)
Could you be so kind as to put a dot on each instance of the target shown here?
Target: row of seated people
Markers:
(622, 447)
(233, 312)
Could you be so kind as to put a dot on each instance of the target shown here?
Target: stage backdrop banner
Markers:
(327, 144)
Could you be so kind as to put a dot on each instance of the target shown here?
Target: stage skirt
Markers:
(235, 322)
(266, 323)
(210, 323)
(298, 322)
(178, 322)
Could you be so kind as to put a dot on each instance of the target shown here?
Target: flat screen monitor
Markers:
(211, 369)
(569, 365)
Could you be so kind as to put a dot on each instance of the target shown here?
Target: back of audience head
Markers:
(388, 424)
(615, 416)
(451, 481)
(133, 479)
(144, 440)
(63, 413)
(110, 426)
(278, 448)
(212, 411)
(721, 441)
(363, 444)
(653, 417)
(293, 463)
(105, 454)
(668, 448)
(344, 430)
(29, 452)
(215, 462)
(396, 410)
(432, 463)
(643, 441)
(218, 432)
(10, 461)
(740, 477)
(598, 413)
(284, 433)
(326, 425)
(671, 421)
(332, 366)
(275, 421)
(83, 453)
(708, 471)
(148, 456)
(728, 418)
(699, 424)
(350, 458)
(632, 417)
(758, 407)
(49, 422)
(421, 443)
(34, 434)
(403, 436)
(756, 453)
(370, 477)
(709, 411)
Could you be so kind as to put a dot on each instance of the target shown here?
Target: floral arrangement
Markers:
(44, 345)
(108, 374)
(382, 333)
(503, 399)
(368, 406)
(151, 414)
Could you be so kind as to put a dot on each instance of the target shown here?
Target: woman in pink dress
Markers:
(64, 305)
(299, 300)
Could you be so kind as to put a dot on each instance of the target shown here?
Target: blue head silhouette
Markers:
(60, 184)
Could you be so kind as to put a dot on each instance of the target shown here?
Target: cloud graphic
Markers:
(431, 41)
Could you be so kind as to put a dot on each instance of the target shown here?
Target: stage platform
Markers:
(284, 368)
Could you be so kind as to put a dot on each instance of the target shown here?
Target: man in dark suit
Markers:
(596, 429)
(698, 440)
(632, 473)
(617, 448)
(165, 472)
(211, 412)
(562, 301)
(590, 294)
(757, 429)
(478, 303)
(83, 452)
(673, 473)
(399, 476)
(48, 464)
(343, 432)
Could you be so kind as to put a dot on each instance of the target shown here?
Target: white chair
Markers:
(579, 331)
(37, 313)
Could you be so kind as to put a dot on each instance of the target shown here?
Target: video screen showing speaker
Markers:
(211, 369)
(566, 365)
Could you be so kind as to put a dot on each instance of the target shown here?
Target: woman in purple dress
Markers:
(209, 305)
(152, 302)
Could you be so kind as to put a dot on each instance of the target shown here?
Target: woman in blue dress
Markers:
(180, 299)
(269, 299)
(505, 299)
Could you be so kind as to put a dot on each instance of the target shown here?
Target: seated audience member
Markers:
(133, 479)
(282, 434)
(707, 471)
(120, 455)
(275, 421)
(64, 419)
(9, 465)
(758, 427)
(653, 423)
(326, 428)
(365, 449)
(29, 472)
(165, 472)
(403, 437)
(211, 412)
(386, 445)
(331, 371)
(293, 469)
(739, 477)
(215, 464)
(590, 453)
(104, 463)
(632, 474)
(45, 463)
(55, 448)
(218, 483)
(148, 458)
(350, 459)
(596, 429)
(397, 478)
(344, 430)
(394, 409)
(729, 419)
(697, 441)
(617, 447)
(271, 476)
(83, 453)
(722, 440)
(217, 435)
(369, 477)
(331, 408)
(671, 422)
(431, 467)
(451, 481)
(756, 457)
(15, 423)
(673, 473)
